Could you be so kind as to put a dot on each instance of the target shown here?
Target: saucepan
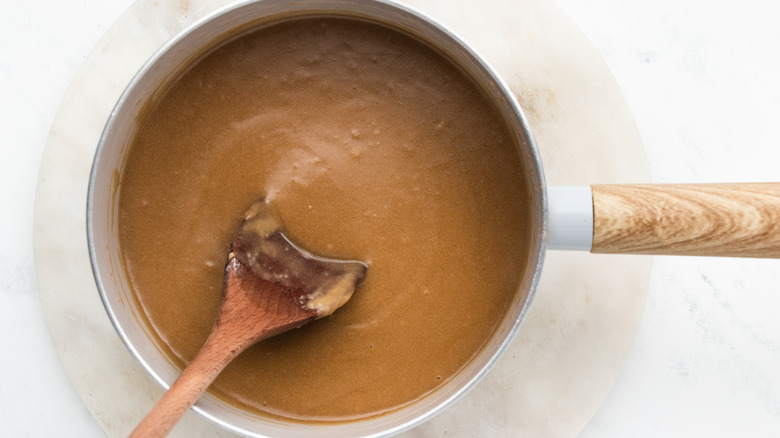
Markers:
(718, 220)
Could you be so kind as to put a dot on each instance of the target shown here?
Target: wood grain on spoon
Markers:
(270, 286)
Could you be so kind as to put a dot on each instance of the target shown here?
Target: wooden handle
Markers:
(187, 388)
(731, 220)
(252, 309)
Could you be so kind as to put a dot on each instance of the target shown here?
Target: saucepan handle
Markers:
(727, 220)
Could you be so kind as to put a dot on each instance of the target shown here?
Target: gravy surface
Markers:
(370, 146)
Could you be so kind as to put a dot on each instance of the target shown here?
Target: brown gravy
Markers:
(370, 146)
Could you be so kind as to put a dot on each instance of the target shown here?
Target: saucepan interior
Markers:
(148, 85)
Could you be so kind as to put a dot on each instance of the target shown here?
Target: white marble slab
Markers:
(581, 325)
(573, 342)
(701, 81)
(579, 328)
(705, 360)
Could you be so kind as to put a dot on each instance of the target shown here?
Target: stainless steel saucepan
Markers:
(736, 220)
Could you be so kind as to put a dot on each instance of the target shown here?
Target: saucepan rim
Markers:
(405, 20)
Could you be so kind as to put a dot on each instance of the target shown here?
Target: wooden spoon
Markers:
(270, 286)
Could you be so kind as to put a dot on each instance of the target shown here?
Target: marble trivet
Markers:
(587, 308)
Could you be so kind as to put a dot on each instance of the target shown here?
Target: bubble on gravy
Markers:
(370, 146)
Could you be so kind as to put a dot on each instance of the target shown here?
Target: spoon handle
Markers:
(729, 220)
(187, 388)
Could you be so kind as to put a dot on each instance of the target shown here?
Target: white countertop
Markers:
(700, 78)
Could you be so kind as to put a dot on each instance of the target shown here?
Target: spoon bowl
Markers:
(270, 286)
